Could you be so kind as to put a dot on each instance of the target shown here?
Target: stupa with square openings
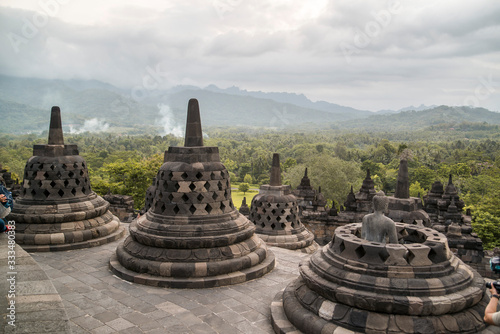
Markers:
(192, 236)
(57, 209)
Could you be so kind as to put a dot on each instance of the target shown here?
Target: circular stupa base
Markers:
(235, 277)
(303, 242)
(328, 316)
(116, 234)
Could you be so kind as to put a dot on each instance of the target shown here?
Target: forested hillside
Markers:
(93, 106)
(336, 160)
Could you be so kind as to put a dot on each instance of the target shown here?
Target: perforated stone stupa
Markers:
(57, 209)
(274, 212)
(356, 286)
(192, 236)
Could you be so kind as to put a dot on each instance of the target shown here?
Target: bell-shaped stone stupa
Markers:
(57, 209)
(192, 236)
(354, 285)
(274, 212)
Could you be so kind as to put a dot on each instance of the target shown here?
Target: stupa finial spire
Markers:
(194, 135)
(275, 171)
(55, 129)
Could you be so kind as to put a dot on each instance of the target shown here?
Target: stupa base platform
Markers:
(114, 236)
(236, 277)
(285, 305)
(300, 243)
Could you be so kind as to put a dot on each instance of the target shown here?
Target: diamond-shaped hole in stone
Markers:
(292, 224)
(208, 208)
(177, 186)
(273, 211)
(84, 190)
(268, 204)
(432, 253)
(73, 191)
(214, 196)
(286, 205)
(77, 182)
(199, 175)
(283, 225)
(277, 205)
(64, 166)
(263, 225)
(360, 252)
(273, 226)
(219, 185)
(61, 192)
(222, 206)
(278, 218)
(184, 175)
(46, 193)
(185, 198)
(66, 183)
(176, 209)
(75, 165)
(163, 207)
(40, 166)
(409, 257)
(199, 197)
(71, 174)
(259, 217)
(268, 218)
(45, 175)
(52, 167)
(207, 186)
(52, 184)
(383, 254)
(81, 173)
(33, 192)
(192, 209)
(170, 197)
(59, 174)
(341, 246)
(192, 186)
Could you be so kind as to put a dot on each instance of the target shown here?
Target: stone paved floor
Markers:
(96, 301)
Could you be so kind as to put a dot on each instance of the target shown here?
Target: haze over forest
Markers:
(93, 106)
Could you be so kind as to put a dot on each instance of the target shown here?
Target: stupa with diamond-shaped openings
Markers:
(275, 214)
(192, 236)
(57, 209)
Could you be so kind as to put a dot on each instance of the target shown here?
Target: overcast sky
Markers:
(365, 54)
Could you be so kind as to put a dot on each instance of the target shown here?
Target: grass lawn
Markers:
(238, 197)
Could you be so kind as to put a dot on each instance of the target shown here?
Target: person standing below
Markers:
(6, 204)
(376, 226)
(491, 316)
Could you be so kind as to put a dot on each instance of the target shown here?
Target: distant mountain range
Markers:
(92, 106)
